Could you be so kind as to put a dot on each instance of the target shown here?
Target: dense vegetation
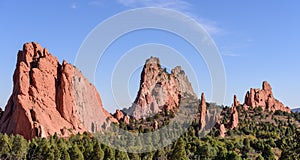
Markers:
(260, 135)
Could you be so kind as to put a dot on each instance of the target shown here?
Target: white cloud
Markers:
(180, 5)
(74, 5)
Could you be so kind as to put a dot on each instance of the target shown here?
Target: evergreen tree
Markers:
(5, 146)
(98, 153)
(179, 150)
(233, 156)
(268, 153)
(19, 147)
(75, 153)
(121, 155)
(109, 154)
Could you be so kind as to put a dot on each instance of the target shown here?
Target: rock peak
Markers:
(152, 60)
(235, 101)
(266, 86)
(159, 89)
(203, 98)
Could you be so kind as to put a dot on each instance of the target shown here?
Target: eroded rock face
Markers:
(49, 97)
(264, 98)
(159, 89)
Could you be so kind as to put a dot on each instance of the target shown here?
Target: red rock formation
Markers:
(119, 115)
(159, 89)
(235, 101)
(155, 126)
(203, 112)
(126, 119)
(264, 98)
(234, 120)
(50, 98)
(222, 130)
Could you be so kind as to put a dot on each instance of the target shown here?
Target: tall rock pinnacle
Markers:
(203, 112)
(49, 97)
(159, 89)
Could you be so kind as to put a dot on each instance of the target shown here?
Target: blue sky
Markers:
(258, 40)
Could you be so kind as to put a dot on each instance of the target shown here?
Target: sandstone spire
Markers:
(234, 120)
(203, 112)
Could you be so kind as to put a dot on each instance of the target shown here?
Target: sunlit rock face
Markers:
(264, 98)
(159, 89)
(49, 97)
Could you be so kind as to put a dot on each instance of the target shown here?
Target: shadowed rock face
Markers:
(264, 98)
(159, 89)
(50, 97)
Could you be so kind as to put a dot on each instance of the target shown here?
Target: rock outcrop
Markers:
(49, 97)
(234, 119)
(203, 112)
(159, 90)
(119, 115)
(235, 101)
(264, 98)
(222, 130)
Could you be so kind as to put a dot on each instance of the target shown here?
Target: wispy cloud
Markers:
(95, 3)
(174, 4)
(236, 49)
(74, 5)
(230, 54)
(180, 5)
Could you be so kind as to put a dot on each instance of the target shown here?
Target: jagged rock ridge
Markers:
(159, 89)
(264, 98)
(254, 98)
(49, 97)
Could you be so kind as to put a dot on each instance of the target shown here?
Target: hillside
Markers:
(55, 113)
(260, 135)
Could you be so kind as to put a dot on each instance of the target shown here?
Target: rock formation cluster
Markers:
(264, 98)
(49, 97)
